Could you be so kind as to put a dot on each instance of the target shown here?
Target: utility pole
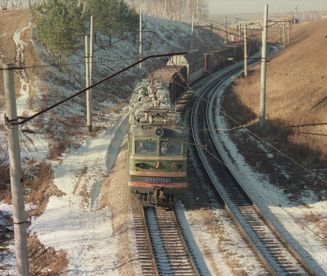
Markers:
(17, 188)
(245, 50)
(289, 33)
(284, 34)
(89, 80)
(141, 36)
(192, 28)
(87, 83)
(262, 114)
(226, 30)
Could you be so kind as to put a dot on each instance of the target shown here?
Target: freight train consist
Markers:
(157, 146)
(157, 140)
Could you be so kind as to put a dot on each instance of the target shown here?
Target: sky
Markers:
(250, 6)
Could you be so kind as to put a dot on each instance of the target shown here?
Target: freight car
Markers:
(200, 64)
(157, 143)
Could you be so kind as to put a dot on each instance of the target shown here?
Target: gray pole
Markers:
(245, 50)
(192, 38)
(226, 30)
(17, 188)
(284, 34)
(90, 65)
(140, 37)
(289, 33)
(262, 113)
(87, 84)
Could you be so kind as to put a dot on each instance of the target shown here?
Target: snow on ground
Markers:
(7, 256)
(23, 78)
(219, 243)
(270, 198)
(72, 222)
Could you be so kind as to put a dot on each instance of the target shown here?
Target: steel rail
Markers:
(262, 252)
(172, 254)
(143, 242)
(218, 145)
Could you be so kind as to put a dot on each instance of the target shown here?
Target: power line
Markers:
(26, 119)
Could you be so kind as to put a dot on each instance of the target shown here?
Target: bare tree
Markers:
(182, 10)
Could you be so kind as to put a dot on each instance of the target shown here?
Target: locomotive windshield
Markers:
(170, 148)
(146, 147)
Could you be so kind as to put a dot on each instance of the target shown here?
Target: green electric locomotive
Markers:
(157, 146)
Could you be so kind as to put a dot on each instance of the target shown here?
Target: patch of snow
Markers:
(24, 80)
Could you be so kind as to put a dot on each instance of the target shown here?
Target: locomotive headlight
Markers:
(160, 132)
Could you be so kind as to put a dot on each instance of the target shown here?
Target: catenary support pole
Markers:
(140, 37)
(245, 50)
(90, 65)
(226, 30)
(289, 33)
(17, 188)
(284, 34)
(87, 83)
(262, 113)
(192, 32)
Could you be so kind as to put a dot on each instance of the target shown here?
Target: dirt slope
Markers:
(296, 88)
(12, 21)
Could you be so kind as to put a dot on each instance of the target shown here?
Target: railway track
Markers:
(160, 243)
(268, 244)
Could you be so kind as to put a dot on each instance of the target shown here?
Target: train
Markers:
(157, 138)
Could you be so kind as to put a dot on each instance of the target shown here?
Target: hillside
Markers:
(295, 133)
(296, 89)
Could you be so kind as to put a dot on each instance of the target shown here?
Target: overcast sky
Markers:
(249, 6)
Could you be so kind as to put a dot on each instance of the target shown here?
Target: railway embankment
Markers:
(285, 160)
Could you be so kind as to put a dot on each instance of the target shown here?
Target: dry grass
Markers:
(45, 261)
(40, 186)
(296, 94)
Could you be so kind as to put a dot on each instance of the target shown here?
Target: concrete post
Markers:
(89, 92)
(262, 113)
(289, 33)
(284, 34)
(226, 30)
(245, 50)
(17, 188)
(192, 29)
(87, 84)
(140, 37)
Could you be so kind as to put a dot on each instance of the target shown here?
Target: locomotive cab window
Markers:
(170, 148)
(146, 147)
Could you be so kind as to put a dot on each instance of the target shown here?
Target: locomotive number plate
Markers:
(158, 180)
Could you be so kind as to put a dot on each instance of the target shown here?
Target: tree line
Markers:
(181, 10)
(62, 24)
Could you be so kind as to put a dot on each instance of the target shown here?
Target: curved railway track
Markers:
(160, 242)
(268, 244)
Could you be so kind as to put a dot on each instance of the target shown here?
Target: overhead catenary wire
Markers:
(27, 119)
(80, 92)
